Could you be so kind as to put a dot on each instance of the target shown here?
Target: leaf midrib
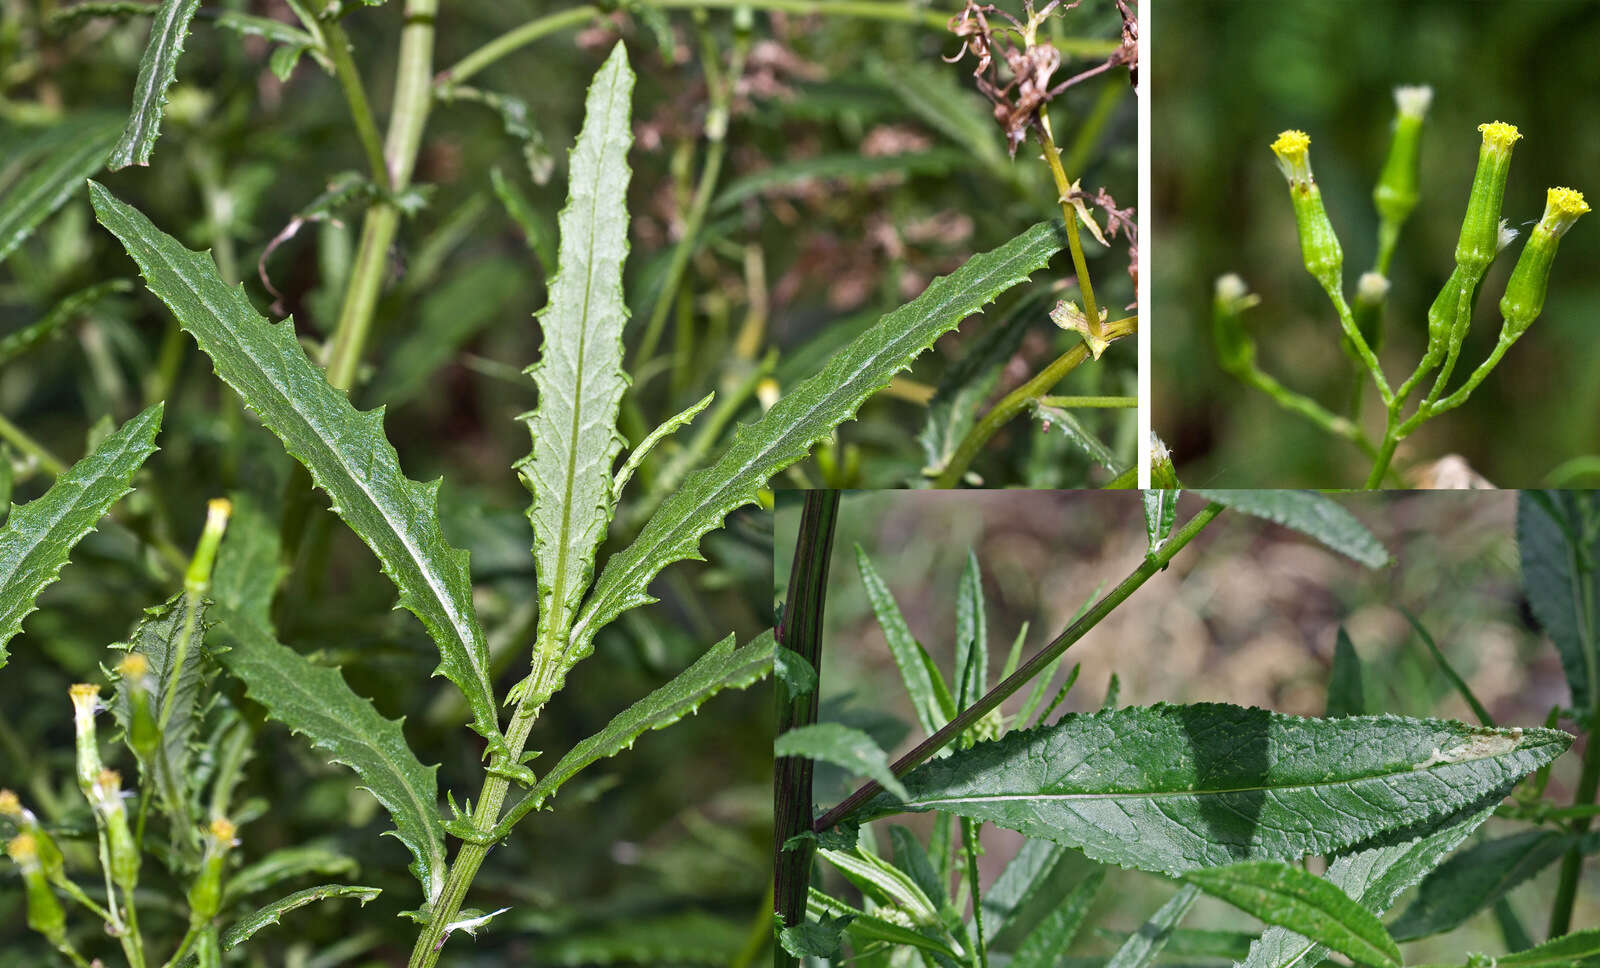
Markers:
(414, 553)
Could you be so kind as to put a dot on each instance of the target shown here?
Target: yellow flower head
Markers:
(133, 666)
(1499, 136)
(1293, 149)
(1562, 206)
(10, 806)
(85, 698)
(23, 848)
(222, 831)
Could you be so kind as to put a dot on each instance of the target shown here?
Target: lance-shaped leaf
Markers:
(1291, 897)
(315, 701)
(1175, 788)
(52, 179)
(246, 927)
(844, 747)
(1477, 877)
(806, 414)
(579, 374)
(344, 449)
(908, 653)
(1044, 945)
(1145, 944)
(157, 70)
(1314, 515)
(722, 667)
(1374, 874)
(39, 536)
(1563, 582)
(1346, 696)
(1580, 949)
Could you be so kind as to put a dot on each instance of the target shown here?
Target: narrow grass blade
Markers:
(344, 449)
(805, 415)
(579, 375)
(1145, 944)
(158, 68)
(315, 701)
(1314, 515)
(51, 180)
(39, 536)
(1293, 898)
(903, 646)
(1176, 788)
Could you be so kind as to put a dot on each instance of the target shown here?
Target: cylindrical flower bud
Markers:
(107, 801)
(1319, 244)
(1236, 351)
(1442, 314)
(197, 581)
(1525, 291)
(143, 736)
(85, 702)
(1480, 229)
(44, 911)
(48, 853)
(205, 894)
(1163, 475)
(1396, 193)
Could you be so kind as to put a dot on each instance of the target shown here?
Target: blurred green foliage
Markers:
(1228, 75)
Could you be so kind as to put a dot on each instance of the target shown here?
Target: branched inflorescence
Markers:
(1484, 234)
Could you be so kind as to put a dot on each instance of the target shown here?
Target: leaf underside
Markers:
(344, 449)
(579, 375)
(245, 928)
(1475, 878)
(315, 701)
(805, 415)
(1177, 788)
(1563, 589)
(157, 70)
(1312, 514)
(39, 536)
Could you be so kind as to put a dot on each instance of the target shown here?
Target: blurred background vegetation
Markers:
(1228, 75)
(1247, 614)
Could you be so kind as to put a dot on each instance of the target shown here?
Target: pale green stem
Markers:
(1069, 213)
(1347, 322)
(1106, 403)
(337, 45)
(1009, 406)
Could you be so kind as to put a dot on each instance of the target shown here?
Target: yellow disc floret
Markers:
(133, 666)
(23, 848)
(10, 806)
(1293, 149)
(1563, 205)
(223, 830)
(1499, 135)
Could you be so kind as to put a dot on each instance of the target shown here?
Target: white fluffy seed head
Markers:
(1413, 101)
(1507, 236)
(1373, 287)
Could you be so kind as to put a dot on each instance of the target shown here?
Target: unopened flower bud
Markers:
(1525, 290)
(1163, 475)
(1442, 314)
(44, 911)
(197, 580)
(205, 894)
(85, 701)
(143, 735)
(1480, 228)
(1236, 351)
(48, 853)
(1396, 193)
(1319, 243)
(107, 802)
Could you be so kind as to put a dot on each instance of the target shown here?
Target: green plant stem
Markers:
(1308, 408)
(189, 938)
(1001, 413)
(800, 630)
(1040, 661)
(337, 46)
(1079, 403)
(969, 845)
(1347, 321)
(20, 439)
(1069, 213)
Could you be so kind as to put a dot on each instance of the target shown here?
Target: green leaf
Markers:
(1450, 673)
(39, 536)
(911, 857)
(1310, 513)
(1375, 874)
(157, 637)
(20, 341)
(1160, 514)
(1175, 788)
(867, 927)
(972, 636)
(852, 166)
(285, 864)
(805, 415)
(1293, 898)
(909, 656)
(883, 882)
(1144, 944)
(1346, 697)
(1054, 935)
(1477, 877)
(157, 70)
(1562, 578)
(534, 230)
(815, 939)
(514, 119)
(1021, 884)
(245, 928)
(654, 437)
(843, 746)
(721, 667)
(343, 448)
(315, 701)
(946, 106)
(249, 564)
(579, 375)
(965, 386)
(1074, 430)
(53, 179)
(794, 673)
(1580, 949)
